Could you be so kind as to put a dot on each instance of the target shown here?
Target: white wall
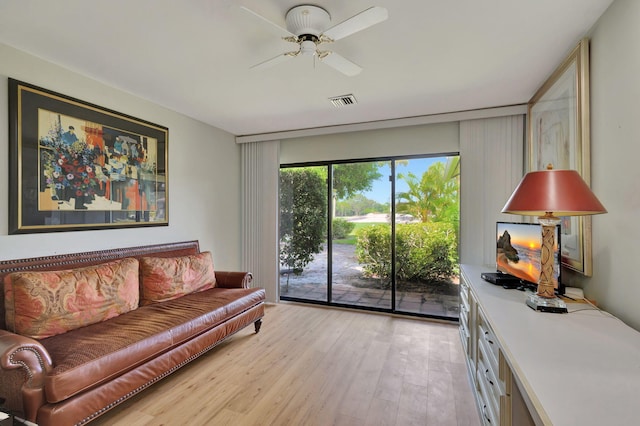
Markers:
(204, 177)
(615, 160)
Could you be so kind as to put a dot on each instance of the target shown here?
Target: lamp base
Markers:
(544, 304)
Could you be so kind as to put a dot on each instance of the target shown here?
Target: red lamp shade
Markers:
(561, 192)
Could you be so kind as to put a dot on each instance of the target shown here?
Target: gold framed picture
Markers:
(74, 165)
(558, 134)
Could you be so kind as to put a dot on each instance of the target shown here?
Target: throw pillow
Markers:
(43, 304)
(167, 278)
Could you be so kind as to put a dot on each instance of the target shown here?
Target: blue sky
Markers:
(381, 191)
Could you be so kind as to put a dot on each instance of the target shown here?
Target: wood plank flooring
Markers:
(316, 366)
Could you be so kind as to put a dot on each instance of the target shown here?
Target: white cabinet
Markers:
(536, 368)
(489, 372)
(493, 375)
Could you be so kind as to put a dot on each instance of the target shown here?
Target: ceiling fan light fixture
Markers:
(308, 48)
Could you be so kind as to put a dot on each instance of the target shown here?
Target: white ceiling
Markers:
(194, 56)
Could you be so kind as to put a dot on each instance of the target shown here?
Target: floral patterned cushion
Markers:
(166, 278)
(43, 304)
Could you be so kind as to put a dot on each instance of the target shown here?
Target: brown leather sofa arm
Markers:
(24, 362)
(226, 279)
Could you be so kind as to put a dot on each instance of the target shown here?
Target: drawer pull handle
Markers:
(486, 376)
(486, 337)
(484, 413)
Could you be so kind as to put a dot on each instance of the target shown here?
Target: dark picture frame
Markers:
(76, 166)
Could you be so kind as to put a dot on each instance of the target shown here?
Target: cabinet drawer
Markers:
(494, 386)
(464, 318)
(487, 339)
(465, 338)
(464, 307)
(464, 322)
(488, 406)
(464, 293)
(485, 349)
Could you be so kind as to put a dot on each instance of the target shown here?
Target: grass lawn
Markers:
(351, 238)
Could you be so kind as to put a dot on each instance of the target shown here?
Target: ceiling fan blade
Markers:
(274, 61)
(340, 63)
(284, 31)
(359, 22)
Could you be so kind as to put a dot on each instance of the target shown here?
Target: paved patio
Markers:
(350, 287)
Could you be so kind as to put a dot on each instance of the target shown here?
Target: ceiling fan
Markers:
(307, 25)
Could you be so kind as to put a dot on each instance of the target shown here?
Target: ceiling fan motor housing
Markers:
(307, 19)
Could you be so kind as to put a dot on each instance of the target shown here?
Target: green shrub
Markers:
(424, 251)
(303, 213)
(340, 228)
(373, 249)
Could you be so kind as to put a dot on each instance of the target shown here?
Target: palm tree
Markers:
(433, 197)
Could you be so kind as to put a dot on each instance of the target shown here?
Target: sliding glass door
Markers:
(426, 233)
(303, 232)
(379, 234)
(361, 218)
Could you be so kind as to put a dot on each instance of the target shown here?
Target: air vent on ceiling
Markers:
(344, 100)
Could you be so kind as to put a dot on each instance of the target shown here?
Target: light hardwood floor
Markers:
(316, 366)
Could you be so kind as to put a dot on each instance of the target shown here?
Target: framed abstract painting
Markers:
(74, 165)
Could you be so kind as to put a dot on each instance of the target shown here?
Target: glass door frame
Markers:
(392, 178)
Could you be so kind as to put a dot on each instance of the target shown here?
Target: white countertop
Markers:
(580, 368)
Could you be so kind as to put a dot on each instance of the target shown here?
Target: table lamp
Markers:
(550, 194)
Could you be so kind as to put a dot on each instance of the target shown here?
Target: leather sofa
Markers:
(70, 377)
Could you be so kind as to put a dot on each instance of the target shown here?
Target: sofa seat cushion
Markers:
(89, 356)
(41, 304)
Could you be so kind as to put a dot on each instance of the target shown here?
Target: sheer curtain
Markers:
(260, 176)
